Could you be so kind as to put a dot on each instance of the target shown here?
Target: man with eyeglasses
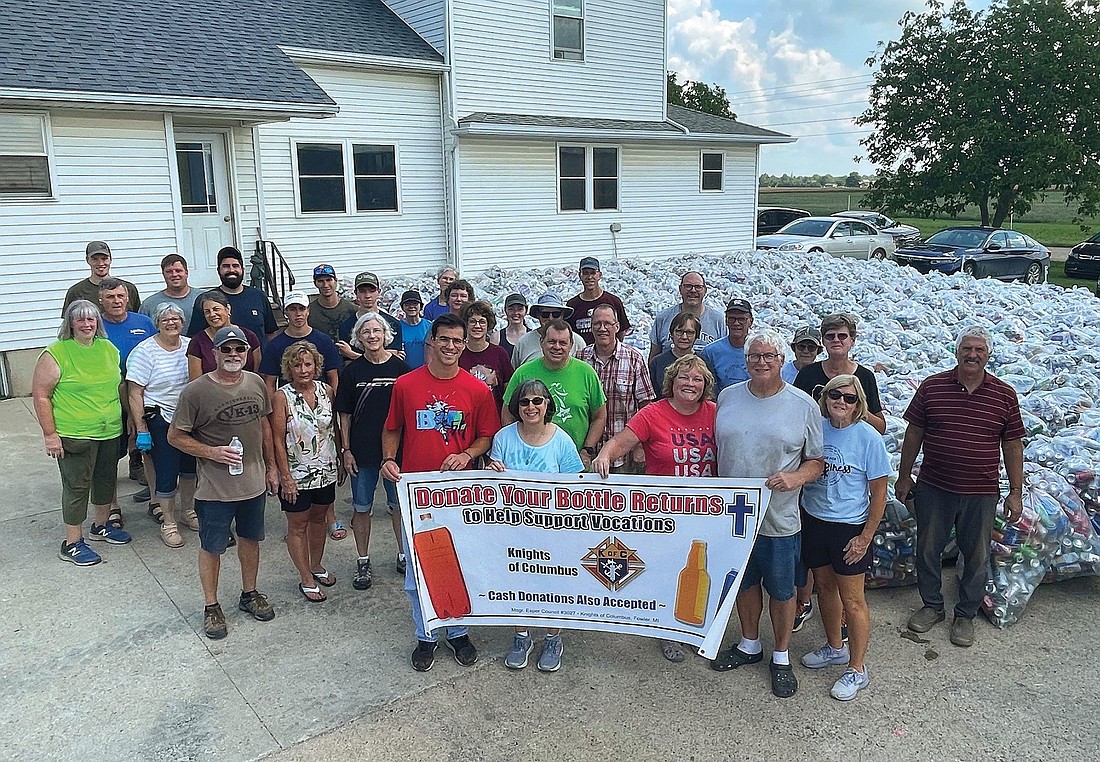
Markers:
(548, 307)
(442, 419)
(227, 403)
(726, 357)
(693, 293)
(625, 380)
(767, 429)
(839, 334)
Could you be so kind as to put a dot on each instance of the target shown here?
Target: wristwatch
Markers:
(590, 450)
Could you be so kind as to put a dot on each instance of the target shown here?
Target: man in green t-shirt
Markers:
(580, 405)
(328, 310)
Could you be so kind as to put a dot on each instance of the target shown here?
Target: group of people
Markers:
(226, 407)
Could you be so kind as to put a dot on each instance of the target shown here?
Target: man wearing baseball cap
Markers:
(592, 296)
(726, 357)
(806, 346)
(328, 309)
(367, 290)
(548, 307)
(249, 305)
(414, 328)
(296, 308)
(98, 256)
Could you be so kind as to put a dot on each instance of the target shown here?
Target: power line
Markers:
(801, 85)
(830, 134)
(799, 108)
(793, 96)
(809, 121)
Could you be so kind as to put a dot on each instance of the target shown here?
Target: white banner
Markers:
(645, 555)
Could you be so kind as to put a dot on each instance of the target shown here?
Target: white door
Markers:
(205, 204)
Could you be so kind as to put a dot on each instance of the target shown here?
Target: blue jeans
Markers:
(362, 491)
(417, 613)
(170, 463)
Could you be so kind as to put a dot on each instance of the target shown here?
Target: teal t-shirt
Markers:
(854, 456)
(558, 456)
(575, 389)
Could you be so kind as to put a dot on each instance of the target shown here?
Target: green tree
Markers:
(698, 96)
(852, 180)
(989, 107)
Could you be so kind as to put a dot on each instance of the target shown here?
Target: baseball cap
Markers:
(366, 279)
(807, 333)
(590, 263)
(230, 252)
(97, 247)
(412, 296)
(229, 333)
(295, 297)
(514, 299)
(322, 270)
(738, 305)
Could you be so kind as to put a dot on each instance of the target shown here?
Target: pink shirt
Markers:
(676, 444)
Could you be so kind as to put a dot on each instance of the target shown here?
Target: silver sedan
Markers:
(832, 235)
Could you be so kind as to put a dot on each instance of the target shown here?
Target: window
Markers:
(24, 156)
(568, 29)
(331, 173)
(196, 176)
(588, 178)
(710, 171)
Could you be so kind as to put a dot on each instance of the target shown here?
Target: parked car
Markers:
(1084, 259)
(981, 252)
(904, 235)
(769, 219)
(841, 238)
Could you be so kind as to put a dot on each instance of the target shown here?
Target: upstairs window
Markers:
(321, 177)
(329, 174)
(568, 29)
(710, 170)
(588, 178)
(24, 156)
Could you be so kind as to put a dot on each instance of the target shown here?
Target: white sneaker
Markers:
(849, 684)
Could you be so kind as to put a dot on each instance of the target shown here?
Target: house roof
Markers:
(700, 123)
(215, 50)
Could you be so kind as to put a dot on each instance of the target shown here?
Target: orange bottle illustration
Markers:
(442, 573)
(693, 587)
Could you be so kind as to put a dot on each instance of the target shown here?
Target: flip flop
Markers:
(337, 530)
(312, 594)
(325, 578)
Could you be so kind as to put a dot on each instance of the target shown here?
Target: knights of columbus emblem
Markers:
(613, 563)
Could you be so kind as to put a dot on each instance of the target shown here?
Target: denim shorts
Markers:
(773, 561)
(363, 485)
(216, 518)
(310, 497)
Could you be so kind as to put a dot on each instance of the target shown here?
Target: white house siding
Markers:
(246, 196)
(502, 60)
(510, 218)
(112, 184)
(401, 109)
(426, 17)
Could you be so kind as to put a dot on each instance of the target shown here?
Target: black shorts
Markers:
(823, 544)
(308, 497)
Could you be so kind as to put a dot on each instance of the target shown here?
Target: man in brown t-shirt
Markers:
(224, 405)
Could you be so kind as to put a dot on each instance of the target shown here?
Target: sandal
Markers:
(784, 683)
(673, 651)
(156, 512)
(114, 517)
(326, 578)
(171, 536)
(337, 530)
(312, 594)
(734, 657)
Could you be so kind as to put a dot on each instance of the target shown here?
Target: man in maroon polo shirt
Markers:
(964, 419)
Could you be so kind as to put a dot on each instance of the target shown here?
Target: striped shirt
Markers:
(963, 431)
(624, 377)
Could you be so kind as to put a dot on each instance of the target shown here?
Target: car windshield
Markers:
(808, 228)
(971, 239)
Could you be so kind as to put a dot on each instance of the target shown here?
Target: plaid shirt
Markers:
(625, 380)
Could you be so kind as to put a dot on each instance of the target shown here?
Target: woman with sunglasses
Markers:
(685, 332)
(533, 443)
(200, 352)
(840, 512)
(676, 433)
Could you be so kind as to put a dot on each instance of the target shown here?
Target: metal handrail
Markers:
(270, 272)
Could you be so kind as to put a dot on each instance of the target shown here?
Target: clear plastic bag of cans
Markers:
(893, 550)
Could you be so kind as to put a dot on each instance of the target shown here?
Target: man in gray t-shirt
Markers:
(177, 291)
(693, 294)
(767, 429)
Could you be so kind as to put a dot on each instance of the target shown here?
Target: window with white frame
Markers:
(331, 174)
(588, 178)
(568, 29)
(24, 156)
(711, 164)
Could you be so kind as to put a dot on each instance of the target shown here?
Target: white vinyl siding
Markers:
(112, 184)
(503, 60)
(511, 185)
(426, 17)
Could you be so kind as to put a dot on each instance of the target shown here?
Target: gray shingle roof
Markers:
(529, 120)
(698, 122)
(220, 49)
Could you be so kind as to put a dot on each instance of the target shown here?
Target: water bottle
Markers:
(238, 469)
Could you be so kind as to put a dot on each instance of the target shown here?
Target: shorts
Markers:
(310, 497)
(823, 545)
(216, 518)
(88, 470)
(772, 562)
(363, 485)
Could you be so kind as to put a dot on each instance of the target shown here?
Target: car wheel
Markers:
(816, 251)
(1036, 274)
(878, 254)
(970, 269)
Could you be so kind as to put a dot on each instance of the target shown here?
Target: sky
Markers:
(794, 66)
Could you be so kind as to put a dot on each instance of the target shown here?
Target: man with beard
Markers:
(250, 307)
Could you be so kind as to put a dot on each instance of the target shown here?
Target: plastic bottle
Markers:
(693, 586)
(237, 445)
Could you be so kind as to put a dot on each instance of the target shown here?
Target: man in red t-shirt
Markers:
(963, 419)
(445, 419)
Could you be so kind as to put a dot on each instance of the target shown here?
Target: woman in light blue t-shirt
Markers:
(841, 510)
(533, 443)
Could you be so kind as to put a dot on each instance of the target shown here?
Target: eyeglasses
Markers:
(765, 356)
(685, 332)
(447, 340)
(604, 324)
(836, 336)
(692, 286)
(477, 321)
(527, 401)
(836, 394)
(233, 349)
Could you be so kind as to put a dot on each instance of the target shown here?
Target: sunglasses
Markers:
(835, 394)
(836, 337)
(233, 349)
(551, 313)
(527, 401)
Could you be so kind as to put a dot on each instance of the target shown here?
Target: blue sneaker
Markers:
(825, 656)
(550, 659)
(521, 648)
(849, 684)
(79, 553)
(109, 533)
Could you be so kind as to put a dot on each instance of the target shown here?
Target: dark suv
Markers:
(1084, 259)
(770, 218)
